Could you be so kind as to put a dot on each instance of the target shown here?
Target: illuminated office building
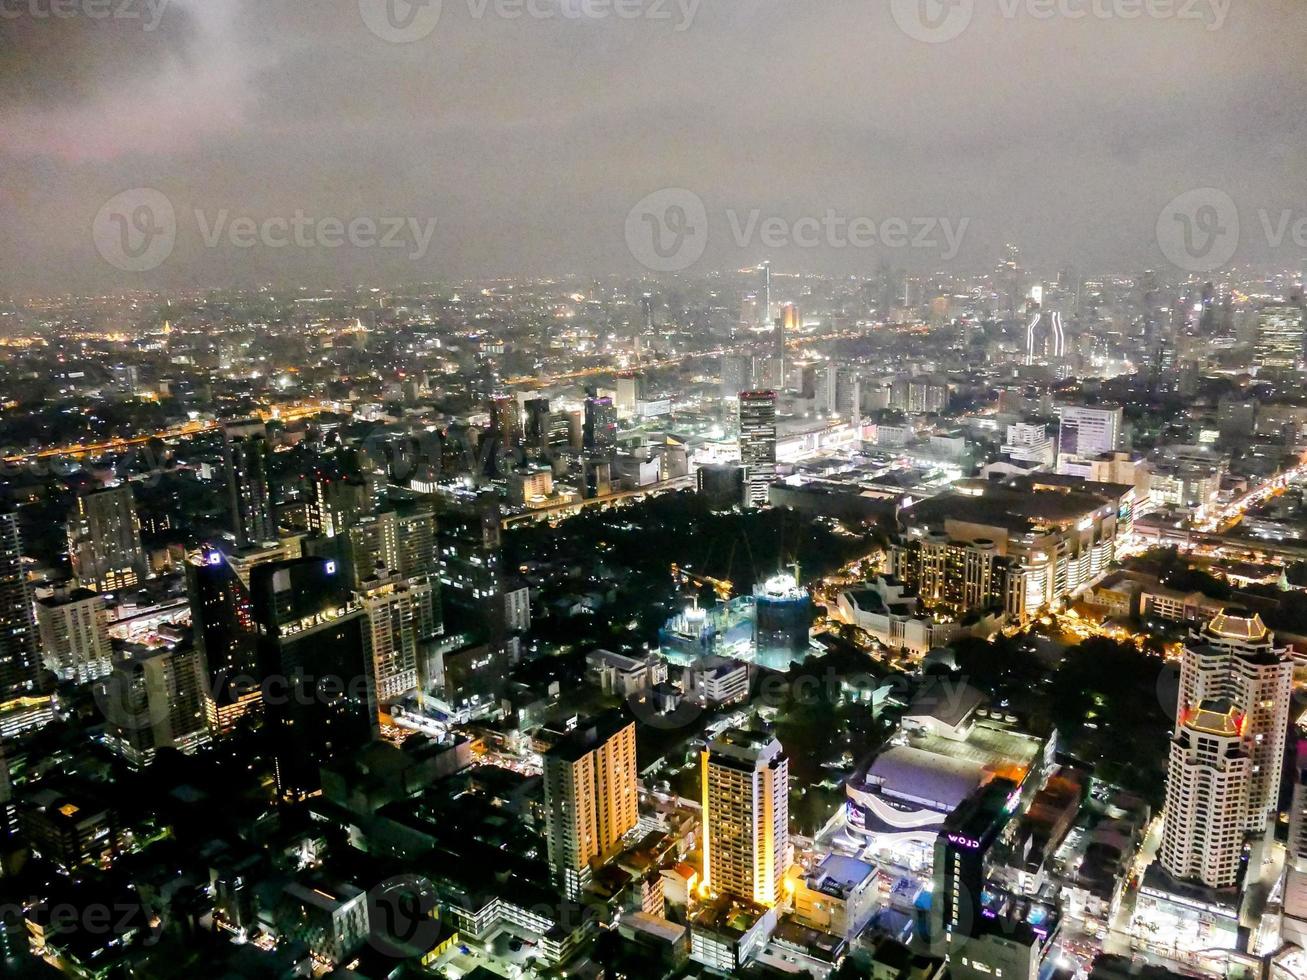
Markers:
(1279, 337)
(1085, 433)
(746, 814)
(782, 622)
(222, 623)
(758, 444)
(599, 431)
(311, 647)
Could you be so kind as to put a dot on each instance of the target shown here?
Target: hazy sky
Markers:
(529, 139)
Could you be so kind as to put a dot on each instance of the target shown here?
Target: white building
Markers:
(1085, 433)
(400, 621)
(625, 676)
(517, 609)
(1227, 753)
(74, 634)
(888, 612)
(1029, 443)
(718, 680)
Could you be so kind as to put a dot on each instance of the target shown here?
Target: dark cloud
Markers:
(53, 55)
(530, 139)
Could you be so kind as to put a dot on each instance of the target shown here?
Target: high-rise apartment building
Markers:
(245, 451)
(400, 627)
(746, 814)
(18, 657)
(74, 632)
(339, 502)
(1223, 779)
(154, 699)
(104, 540)
(1017, 545)
(591, 799)
(468, 542)
(758, 444)
(400, 539)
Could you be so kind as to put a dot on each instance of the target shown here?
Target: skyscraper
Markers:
(600, 427)
(245, 451)
(401, 539)
(18, 659)
(468, 537)
(505, 424)
(104, 540)
(746, 815)
(222, 623)
(757, 444)
(785, 326)
(1223, 779)
(311, 656)
(399, 629)
(1279, 337)
(591, 799)
(960, 852)
(764, 295)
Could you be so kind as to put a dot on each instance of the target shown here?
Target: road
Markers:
(186, 430)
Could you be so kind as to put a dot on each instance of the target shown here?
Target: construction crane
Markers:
(723, 588)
